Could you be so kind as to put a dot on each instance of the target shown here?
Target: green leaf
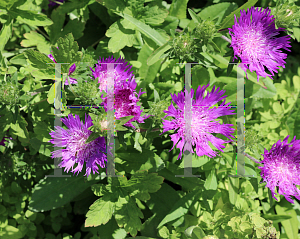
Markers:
(141, 184)
(155, 15)
(38, 40)
(178, 8)
(194, 16)
(260, 92)
(296, 82)
(115, 5)
(145, 29)
(100, 211)
(67, 52)
(41, 129)
(181, 207)
(31, 18)
(54, 192)
(20, 128)
(233, 187)
(155, 56)
(290, 225)
(219, 11)
(19, 60)
(54, 30)
(10, 232)
(128, 215)
(37, 59)
(147, 160)
(92, 137)
(120, 36)
(5, 34)
(137, 145)
(160, 204)
(211, 181)
(229, 20)
(51, 95)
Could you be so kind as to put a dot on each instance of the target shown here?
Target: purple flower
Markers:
(71, 70)
(254, 41)
(53, 4)
(203, 122)
(126, 97)
(281, 168)
(76, 150)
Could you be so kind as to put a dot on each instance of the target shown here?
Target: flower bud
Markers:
(9, 93)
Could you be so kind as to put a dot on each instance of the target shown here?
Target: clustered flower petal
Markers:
(254, 41)
(126, 97)
(76, 151)
(281, 168)
(203, 122)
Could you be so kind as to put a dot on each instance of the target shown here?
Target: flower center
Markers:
(252, 45)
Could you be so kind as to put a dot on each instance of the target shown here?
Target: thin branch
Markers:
(39, 30)
(252, 158)
(226, 39)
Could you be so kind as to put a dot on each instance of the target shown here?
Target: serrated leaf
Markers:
(142, 183)
(67, 52)
(31, 18)
(37, 59)
(38, 40)
(128, 215)
(120, 36)
(100, 211)
(155, 15)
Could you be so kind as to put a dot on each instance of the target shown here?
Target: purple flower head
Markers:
(71, 71)
(2, 142)
(121, 72)
(126, 97)
(281, 168)
(254, 41)
(76, 150)
(203, 122)
(53, 4)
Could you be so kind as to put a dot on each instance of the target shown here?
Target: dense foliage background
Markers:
(148, 201)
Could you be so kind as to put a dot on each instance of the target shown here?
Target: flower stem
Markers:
(252, 158)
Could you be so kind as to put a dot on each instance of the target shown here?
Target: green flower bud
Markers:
(286, 15)
(205, 31)
(9, 93)
(183, 46)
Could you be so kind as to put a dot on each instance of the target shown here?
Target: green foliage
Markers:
(151, 199)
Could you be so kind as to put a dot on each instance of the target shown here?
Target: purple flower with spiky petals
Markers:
(126, 97)
(76, 150)
(254, 41)
(281, 168)
(203, 122)
(71, 71)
